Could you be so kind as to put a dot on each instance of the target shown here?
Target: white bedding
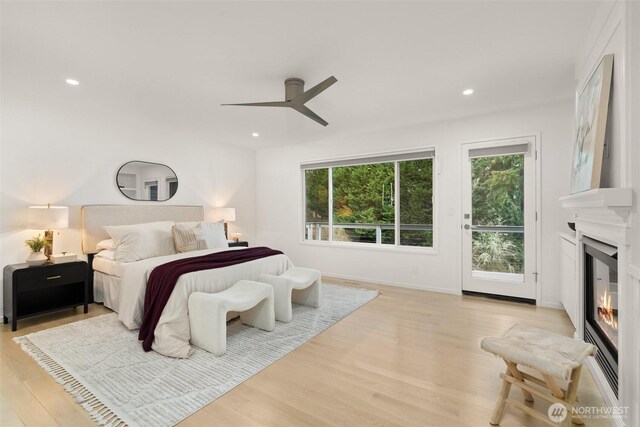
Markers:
(106, 290)
(172, 332)
(109, 266)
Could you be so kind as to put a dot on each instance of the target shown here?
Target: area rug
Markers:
(102, 364)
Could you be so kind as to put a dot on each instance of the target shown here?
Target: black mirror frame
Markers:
(149, 163)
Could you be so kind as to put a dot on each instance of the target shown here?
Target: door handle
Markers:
(467, 226)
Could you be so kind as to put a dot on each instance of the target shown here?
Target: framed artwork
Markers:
(591, 124)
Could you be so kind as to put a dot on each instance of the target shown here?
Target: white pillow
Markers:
(107, 254)
(142, 241)
(212, 233)
(106, 245)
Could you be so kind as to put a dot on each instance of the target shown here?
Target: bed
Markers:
(121, 286)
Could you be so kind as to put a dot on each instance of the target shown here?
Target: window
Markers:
(151, 188)
(317, 204)
(363, 203)
(416, 202)
(172, 186)
(497, 191)
(385, 200)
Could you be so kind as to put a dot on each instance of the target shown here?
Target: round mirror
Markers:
(146, 181)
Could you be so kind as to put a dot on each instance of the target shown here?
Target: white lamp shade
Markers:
(48, 217)
(227, 214)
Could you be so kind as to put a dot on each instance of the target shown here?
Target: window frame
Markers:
(148, 184)
(396, 247)
(168, 183)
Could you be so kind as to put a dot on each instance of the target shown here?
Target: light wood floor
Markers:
(406, 358)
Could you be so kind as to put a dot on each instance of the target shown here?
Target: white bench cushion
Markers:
(301, 277)
(549, 353)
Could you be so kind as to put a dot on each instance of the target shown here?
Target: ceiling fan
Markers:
(295, 97)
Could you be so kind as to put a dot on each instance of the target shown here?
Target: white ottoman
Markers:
(299, 285)
(208, 313)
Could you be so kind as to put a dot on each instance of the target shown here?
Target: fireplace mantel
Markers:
(602, 213)
(600, 203)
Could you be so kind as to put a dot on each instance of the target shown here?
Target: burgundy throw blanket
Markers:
(164, 277)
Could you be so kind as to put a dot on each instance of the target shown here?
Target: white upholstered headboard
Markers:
(95, 217)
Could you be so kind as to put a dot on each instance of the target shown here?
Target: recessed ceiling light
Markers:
(72, 82)
(467, 92)
(255, 134)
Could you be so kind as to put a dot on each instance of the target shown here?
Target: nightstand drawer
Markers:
(30, 275)
(57, 275)
(63, 274)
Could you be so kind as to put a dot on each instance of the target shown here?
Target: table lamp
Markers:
(226, 214)
(47, 218)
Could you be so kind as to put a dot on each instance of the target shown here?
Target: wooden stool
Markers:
(553, 356)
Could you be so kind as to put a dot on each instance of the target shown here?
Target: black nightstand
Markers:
(236, 244)
(29, 291)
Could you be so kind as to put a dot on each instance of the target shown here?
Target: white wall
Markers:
(632, 75)
(607, 36)
(279, 198)
(632, 104)
(70, 157)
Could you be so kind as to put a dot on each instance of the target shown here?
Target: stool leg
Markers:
(218, 345)
(309, 296)
(556, 391)
(513, 369)
(498, 410)
(551, 385)
(261, 316)
(572, 394)
(281, 296)
(282, 301)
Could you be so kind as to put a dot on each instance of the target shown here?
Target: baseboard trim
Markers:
(549, 304)
(500, 297)
(396, 284)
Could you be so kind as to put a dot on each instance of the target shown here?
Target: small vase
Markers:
(36, 258)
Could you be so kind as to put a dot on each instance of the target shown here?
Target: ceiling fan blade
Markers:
(314, 91)
(263, 104)
(307, 112)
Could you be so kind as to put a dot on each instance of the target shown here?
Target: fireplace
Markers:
(601, 306)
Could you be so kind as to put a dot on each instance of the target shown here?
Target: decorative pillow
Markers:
(106, 245)
(106, 254)
(212, 233)
(187, 224)
(185, 240)
(142, 241)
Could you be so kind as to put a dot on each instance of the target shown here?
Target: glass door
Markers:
(499, 233)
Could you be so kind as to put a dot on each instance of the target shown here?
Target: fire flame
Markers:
(605, 310)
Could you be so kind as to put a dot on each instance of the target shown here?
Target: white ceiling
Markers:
(171, 64)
